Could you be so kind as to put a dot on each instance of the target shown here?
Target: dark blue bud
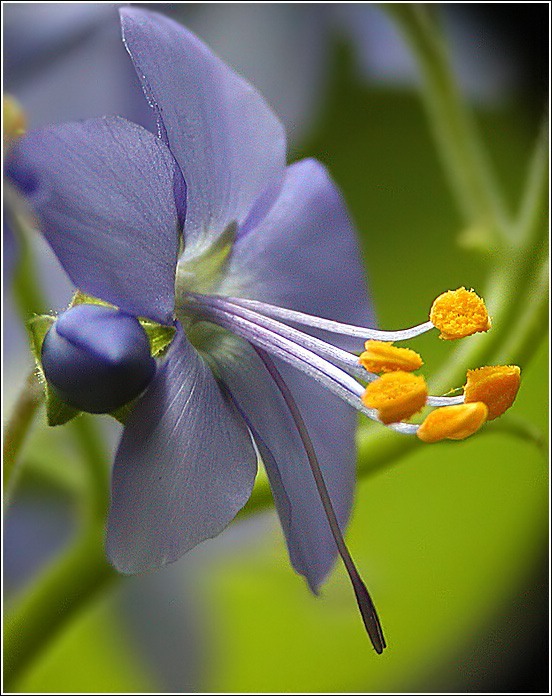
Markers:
(97, 358)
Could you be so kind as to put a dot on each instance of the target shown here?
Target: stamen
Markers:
(364, 601)
(445, 400)
(459, 313)
(329, 325)
(495, 386)
(341, 358)
(453, 422)
(385, 357)
(322, 371)
(396, 396)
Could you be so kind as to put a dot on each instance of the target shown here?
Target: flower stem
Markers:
(90, 445)
(70, 583)
(18, 427)
(535, 196)
(454, 129)
(27, 292)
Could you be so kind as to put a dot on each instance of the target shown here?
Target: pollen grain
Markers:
(453, 422)
(496, 386)
(459, 313)
(381, 356)
(396, 396)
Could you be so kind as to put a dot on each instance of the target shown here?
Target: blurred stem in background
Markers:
(516, 295)
(463, 155)
(17, 429)
(71, 580)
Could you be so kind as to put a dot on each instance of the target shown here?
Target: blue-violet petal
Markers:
(304, 254)
(184, 468)
(331, 425)
(103, 191)
(226, 139)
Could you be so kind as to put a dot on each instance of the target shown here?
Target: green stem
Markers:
(454, 129)
(30, 300)
(63, 589)
(17, 429)
(532, 324)
(507, 292)
(520, 428)
(27, 292)
(517, 289)
(89, 442)
(378, 449)
(533, 208)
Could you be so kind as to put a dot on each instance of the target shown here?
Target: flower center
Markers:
(202, 268)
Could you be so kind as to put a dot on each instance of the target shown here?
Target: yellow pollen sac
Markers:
(459, 313)
(14, 121)
(396, 396)
(380, 356)
(496, 386)
(453, 422)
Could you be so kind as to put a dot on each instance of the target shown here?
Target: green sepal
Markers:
(38, 327)
(57, 411)
(160, 337)
(122, 413)
(82, 298)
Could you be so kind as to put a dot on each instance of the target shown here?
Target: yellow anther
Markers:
(453, 422)
(396, 396)
(14, 120)
(459, 313)
(497, 387)
(380, 356)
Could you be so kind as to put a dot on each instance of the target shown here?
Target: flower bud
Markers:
(97, 358)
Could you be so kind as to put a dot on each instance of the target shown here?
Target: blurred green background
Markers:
(452, 539)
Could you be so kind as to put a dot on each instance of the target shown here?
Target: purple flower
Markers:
(206, 230)
(111, 198)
